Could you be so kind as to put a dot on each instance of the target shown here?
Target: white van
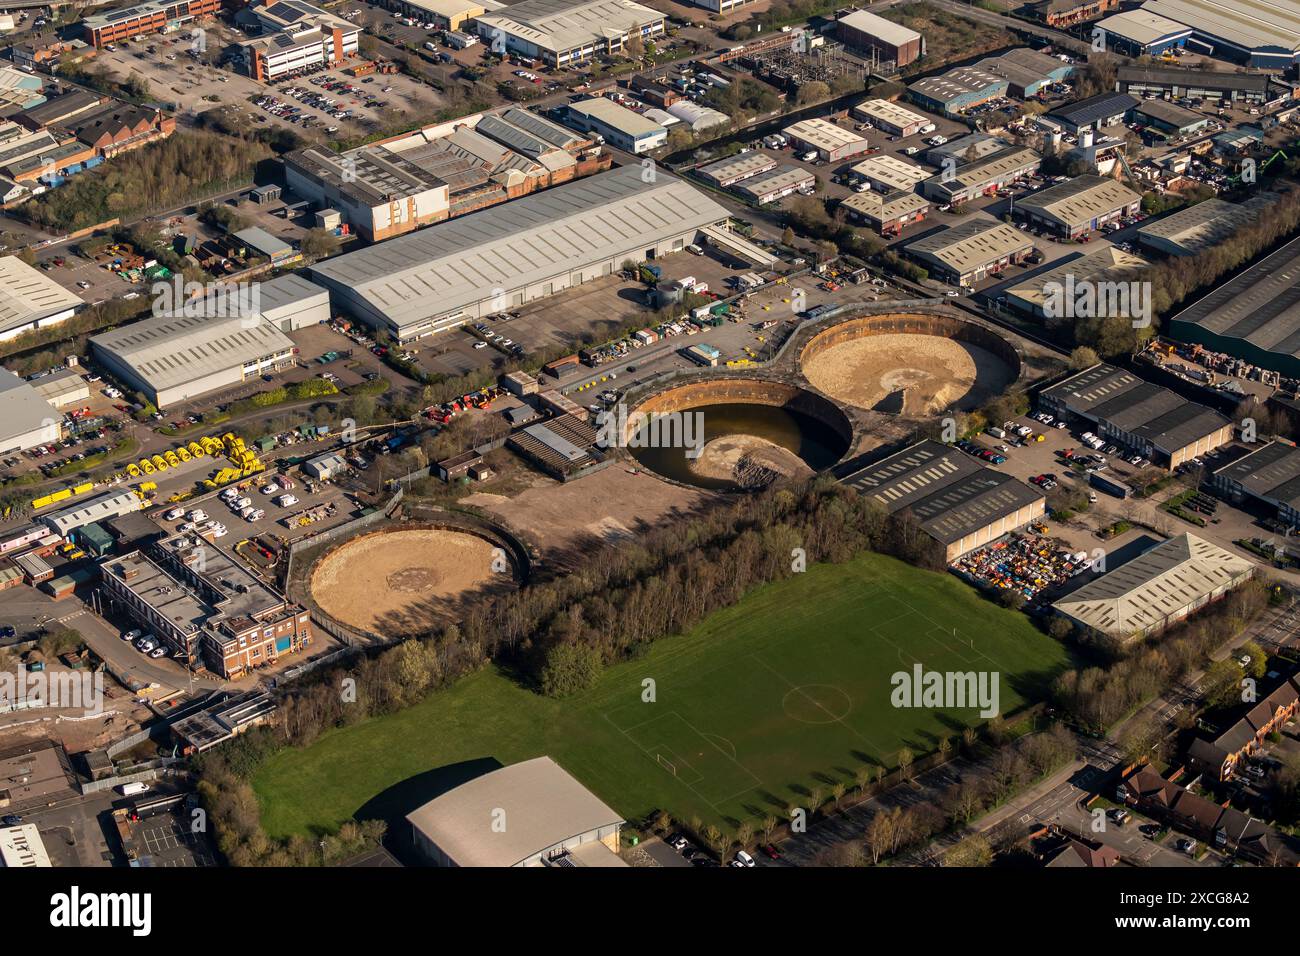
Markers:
(131, 789)
(286, 501)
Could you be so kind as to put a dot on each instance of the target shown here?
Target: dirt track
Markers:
(401, 580)
(908, 374)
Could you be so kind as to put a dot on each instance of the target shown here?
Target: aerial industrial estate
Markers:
(595, 433)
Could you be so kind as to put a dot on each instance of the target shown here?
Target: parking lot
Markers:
(166, 836)
(195, 82)
(278, 521)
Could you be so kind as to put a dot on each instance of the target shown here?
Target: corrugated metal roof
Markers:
(1166, 580)
(24, 410)
(456, 263)
(27, 294)
(561, 25)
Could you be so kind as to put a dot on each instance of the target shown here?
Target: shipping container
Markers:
(1111, 487)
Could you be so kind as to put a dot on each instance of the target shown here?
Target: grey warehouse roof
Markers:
(456, 263)
(1260, 306)
(1156, 414)
(1102, 106)
(1271, 473)
(24, 410)
(168, 350)
(951, 495)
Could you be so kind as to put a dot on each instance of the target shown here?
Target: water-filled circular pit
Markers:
(730, 434)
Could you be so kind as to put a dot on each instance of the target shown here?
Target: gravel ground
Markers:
(931, 373)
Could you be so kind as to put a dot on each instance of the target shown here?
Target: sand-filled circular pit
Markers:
(912, 365)
(407, 580)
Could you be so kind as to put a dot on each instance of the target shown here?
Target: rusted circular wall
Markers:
(914, 323)
(748, 391)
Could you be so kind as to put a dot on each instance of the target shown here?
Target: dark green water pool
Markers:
(815, 443)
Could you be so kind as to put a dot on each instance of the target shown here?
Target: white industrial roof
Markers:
(896, 172)
(822, 134)
(459, 262)
(171, 350)
(22, 847)
(879, 27)
(1247, 23)
(971, 244)
(24, 409)
(560, 25)
(700, 117)
(889, 112)
(1142, 26)
(110, 504)
(1106, 263)
(289, 289)
(1080, 200)
(742, 164)
(27, 295)
(617, 115)
(543, 806)
(1166, 580)
(455, 8)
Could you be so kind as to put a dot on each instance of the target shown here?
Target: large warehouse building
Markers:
(891, 118)
(30, 299)
(1270, 475)
(1156, 589)
(958, 502)
(1260, 33)
(1143, 33)
(173, 358)
(957, 91)
(1199, 84)
(468, 268)
(1193, 229)
(28, 419)
(981, 177)
(964, 254)
(565, 32)
(1152, 421)
(621, 127)
(886, 212)
(1254, 316)
(527, 814)
(881, 39)
(1079, 206)
(828, 140)
(1107, 264)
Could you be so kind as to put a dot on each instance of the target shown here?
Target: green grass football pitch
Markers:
(785, 692)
